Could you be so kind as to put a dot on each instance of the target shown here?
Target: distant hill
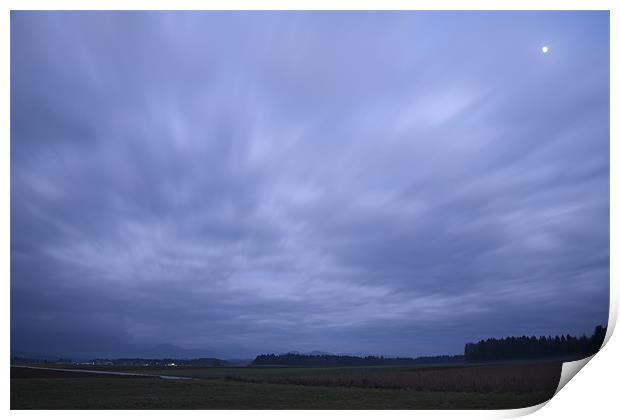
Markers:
(159, 351)
(25, 356)
(162, 351)
(310, 353)
(90, 345)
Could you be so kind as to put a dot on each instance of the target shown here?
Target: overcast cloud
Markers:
(393, 183)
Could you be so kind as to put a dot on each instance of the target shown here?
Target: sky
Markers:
(396, 183)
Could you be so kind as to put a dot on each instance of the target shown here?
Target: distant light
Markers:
(545, 49)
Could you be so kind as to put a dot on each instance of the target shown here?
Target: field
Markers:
(419, 387)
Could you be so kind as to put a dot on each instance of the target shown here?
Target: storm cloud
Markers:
(243, 182)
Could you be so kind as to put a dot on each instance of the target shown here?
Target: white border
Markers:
(592, 395)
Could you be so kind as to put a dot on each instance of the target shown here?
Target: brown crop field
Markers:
(519, 378)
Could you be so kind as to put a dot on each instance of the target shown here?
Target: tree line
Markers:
(510, 348)
(294, 359)
(491, 349)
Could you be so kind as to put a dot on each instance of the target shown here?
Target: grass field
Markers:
(419, 387)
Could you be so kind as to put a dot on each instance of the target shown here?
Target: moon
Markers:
(545, 49)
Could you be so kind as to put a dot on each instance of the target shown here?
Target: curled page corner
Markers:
(520, 412)
(569, 370)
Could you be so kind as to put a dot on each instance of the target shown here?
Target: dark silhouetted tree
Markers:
(531, 347)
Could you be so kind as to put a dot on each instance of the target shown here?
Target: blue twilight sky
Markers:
(241, 182)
